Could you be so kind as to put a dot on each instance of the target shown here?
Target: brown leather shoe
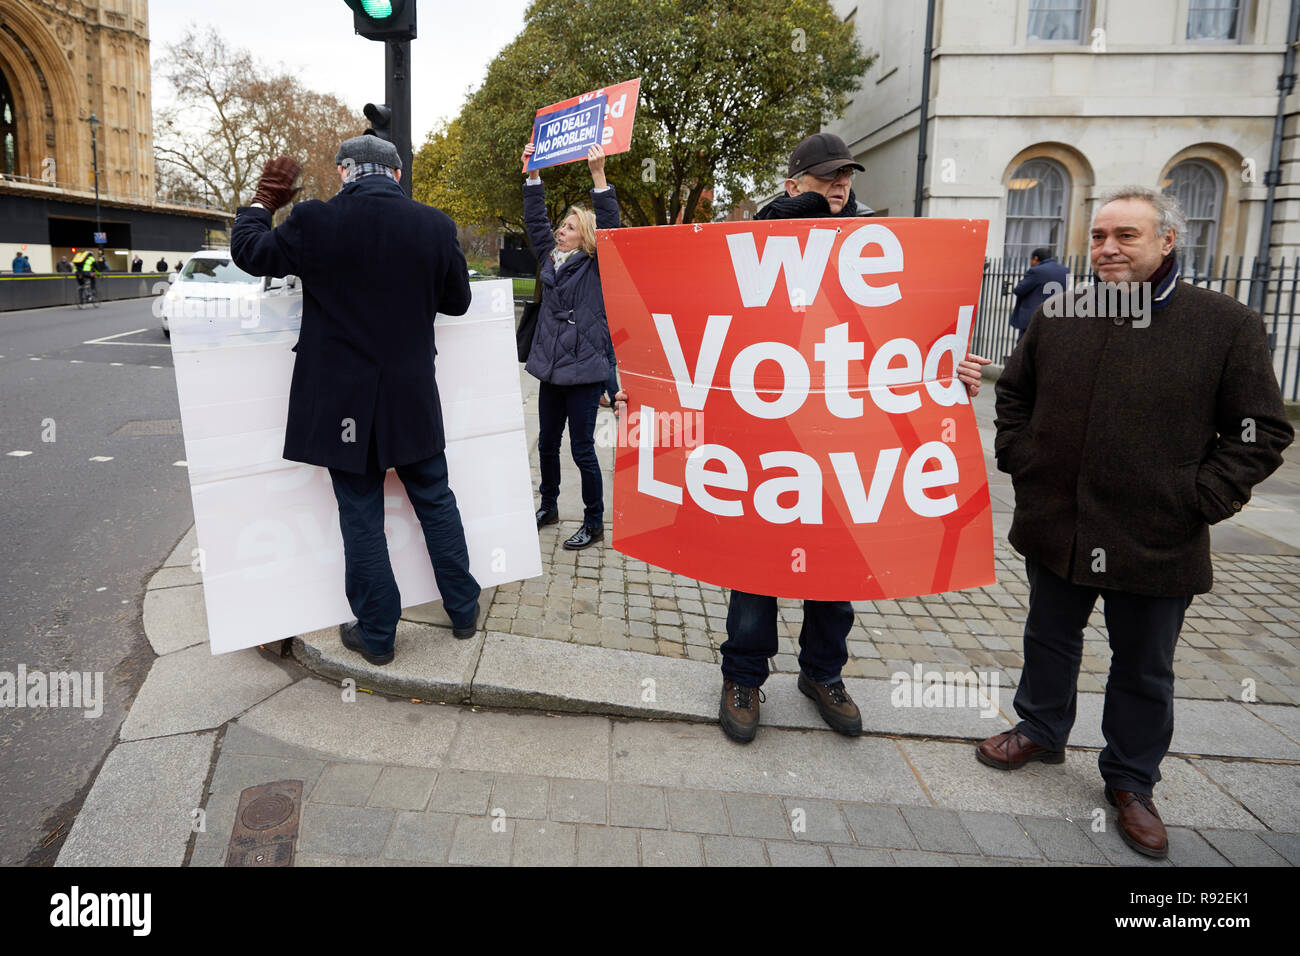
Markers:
(1140, 825)
(738, 711)
(834, 704)
(1012, 750)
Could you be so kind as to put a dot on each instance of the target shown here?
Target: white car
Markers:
(211, 285)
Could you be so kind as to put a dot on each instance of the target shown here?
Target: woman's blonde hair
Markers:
(586, 227)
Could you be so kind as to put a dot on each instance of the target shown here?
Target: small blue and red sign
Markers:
(565, 135)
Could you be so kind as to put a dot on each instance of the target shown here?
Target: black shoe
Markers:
(468, 631)
(584, 538)
(352, 641)
(547, 516)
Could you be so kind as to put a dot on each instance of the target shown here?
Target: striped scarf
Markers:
(357, 170)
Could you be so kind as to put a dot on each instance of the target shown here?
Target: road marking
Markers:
(102, 458)
(155, 366)
(97, 590)
(19, 454)
(76, 361)
(33, 358)
(181, 464)
(101, 341)
(106, 340)
(114, 363)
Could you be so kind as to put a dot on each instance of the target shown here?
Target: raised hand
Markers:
(275, 189)
(523, 160)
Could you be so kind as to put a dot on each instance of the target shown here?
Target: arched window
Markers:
(1036, 200)
(8, 130)
(1198, 187)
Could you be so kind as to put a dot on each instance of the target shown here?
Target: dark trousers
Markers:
(577, 405)
(611, 383)
(751, 639)
(1138, 714)
(368, 573)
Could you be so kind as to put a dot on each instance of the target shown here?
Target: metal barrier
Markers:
(994, 337)
(41, 290)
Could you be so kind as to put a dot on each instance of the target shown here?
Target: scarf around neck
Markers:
(560, 258)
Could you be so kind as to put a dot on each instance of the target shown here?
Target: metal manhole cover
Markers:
(266, 812)
(266, 825)
(145, 427)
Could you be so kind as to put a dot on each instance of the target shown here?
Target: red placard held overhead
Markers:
(620, 113)
(794, 425)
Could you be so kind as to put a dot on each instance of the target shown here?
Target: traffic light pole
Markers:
(397, 94)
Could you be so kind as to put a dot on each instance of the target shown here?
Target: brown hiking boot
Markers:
(1012, 750)
(834, 704)
(1140, 825)
(738, 712)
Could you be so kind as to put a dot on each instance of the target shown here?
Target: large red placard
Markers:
(794, 426)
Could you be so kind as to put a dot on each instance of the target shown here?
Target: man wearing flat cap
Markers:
(376, 267)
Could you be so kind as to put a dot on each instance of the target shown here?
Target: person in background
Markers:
(63, 265)
(86, 269)
(18, 262)
(160, 265)
(137, 264)
(179, 265)
(572, 353)
(1046, 277)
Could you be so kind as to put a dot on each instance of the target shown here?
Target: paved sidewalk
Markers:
(389, 779)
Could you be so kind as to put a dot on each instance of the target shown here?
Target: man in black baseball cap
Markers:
(819, 182)
(819, 186)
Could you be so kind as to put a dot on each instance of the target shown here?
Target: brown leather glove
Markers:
(275, 188)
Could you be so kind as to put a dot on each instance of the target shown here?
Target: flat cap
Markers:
(368, 149)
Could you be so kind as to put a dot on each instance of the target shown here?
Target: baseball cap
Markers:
(820, 154)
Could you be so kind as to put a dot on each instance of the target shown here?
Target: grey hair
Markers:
(1169, 211)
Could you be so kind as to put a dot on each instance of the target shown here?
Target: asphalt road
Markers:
(86, 519)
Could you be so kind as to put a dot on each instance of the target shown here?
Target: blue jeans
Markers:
(751, 639)
(368, 573)
(576, 405)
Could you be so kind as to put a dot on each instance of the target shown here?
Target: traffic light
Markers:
(381, 121)
(383, 19)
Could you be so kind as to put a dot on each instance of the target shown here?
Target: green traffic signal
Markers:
(383, 19)
(374, 9)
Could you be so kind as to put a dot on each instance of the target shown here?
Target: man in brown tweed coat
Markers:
(1128, 425)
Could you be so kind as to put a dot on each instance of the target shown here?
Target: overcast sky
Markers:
(314, 39)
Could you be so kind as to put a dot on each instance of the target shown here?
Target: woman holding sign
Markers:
(571, 348)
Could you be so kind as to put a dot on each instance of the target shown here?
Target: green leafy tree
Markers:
(727, 89)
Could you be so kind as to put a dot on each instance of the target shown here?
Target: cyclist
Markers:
(86, 266)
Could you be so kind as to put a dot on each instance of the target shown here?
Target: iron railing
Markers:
(994, 337)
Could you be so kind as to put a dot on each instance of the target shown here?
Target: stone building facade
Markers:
(1037, 107)
(60, 62)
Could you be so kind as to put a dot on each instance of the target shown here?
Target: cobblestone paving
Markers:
(1243, 635)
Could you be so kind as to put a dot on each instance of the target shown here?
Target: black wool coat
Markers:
(376, 267)
(1125, 443)
(571, 344)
